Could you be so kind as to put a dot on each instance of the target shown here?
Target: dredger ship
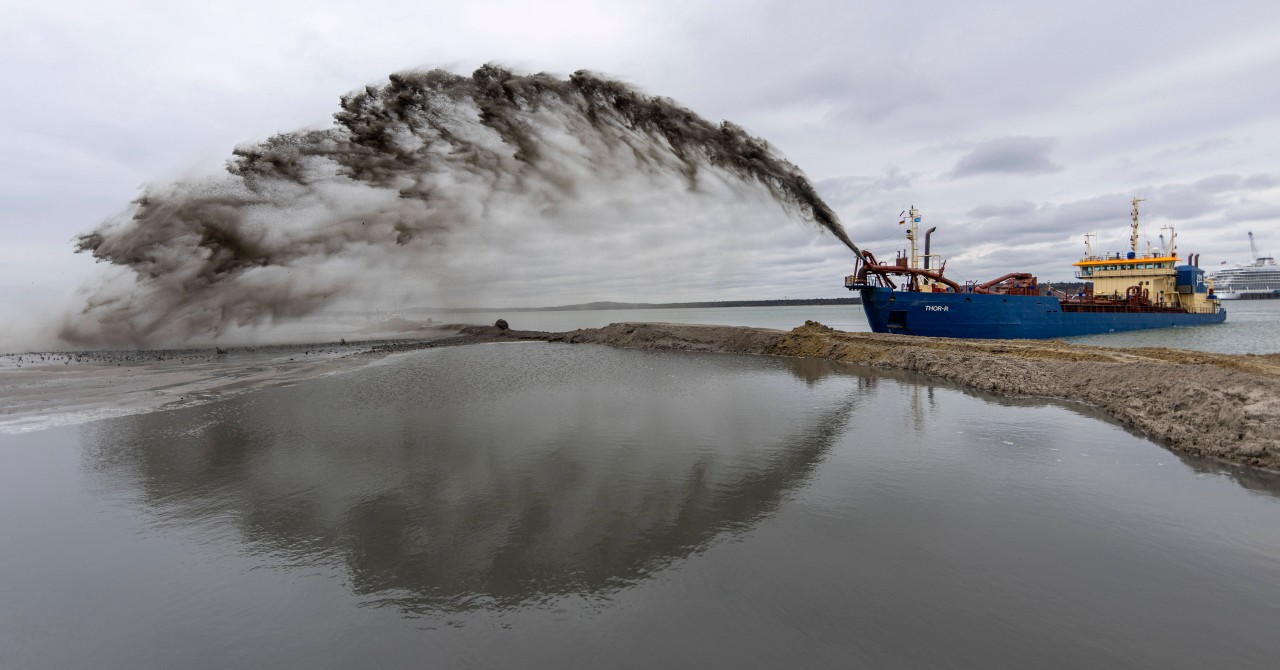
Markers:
(1123, 291)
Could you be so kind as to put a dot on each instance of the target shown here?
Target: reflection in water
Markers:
(487, 477)
(539, 505)
(1251, 479)
(923, 405)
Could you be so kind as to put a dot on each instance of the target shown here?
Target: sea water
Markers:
(548, 505)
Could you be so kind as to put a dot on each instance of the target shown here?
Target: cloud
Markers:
(1218, 198)
(1020, 208)
(1198, 149)
(856, 188)
(1008, 155)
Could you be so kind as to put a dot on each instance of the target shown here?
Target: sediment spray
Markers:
(297, 216)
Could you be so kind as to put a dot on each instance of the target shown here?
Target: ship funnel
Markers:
(927, 233)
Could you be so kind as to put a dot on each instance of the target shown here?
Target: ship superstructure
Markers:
(1158, 279)
(1123, 291)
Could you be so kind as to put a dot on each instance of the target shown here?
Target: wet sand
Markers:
(1219, 406)
(38, 390)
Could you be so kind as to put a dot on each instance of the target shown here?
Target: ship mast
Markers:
(1133, 233)
(1173, 237)
(914, 215)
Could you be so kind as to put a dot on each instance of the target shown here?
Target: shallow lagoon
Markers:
(553, 505)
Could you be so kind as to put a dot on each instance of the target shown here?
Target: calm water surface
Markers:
(537, 505)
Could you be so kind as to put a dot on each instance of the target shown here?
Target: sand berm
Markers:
(1219, 406)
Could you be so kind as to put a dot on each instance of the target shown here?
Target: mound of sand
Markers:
(1215, 405)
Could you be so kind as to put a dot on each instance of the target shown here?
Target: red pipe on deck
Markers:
(982, 288)
(884, 270)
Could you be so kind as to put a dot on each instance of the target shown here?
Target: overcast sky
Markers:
(1014, 129)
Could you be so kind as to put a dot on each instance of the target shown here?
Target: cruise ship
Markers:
(1261, 279)
(1123, 291)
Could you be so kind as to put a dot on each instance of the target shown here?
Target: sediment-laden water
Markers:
(541, 505)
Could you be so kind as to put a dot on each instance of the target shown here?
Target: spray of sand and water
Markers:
(305, 218)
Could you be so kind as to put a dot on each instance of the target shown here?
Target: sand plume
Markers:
(304, 218)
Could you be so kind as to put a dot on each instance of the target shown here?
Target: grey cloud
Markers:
(1224, 183)
(1259, 182)
(1023, 222)
(1008, 155)
(1252, 211)
(856, 188)
(884, 93)
(991, 211)
(1199, 148)
(1204, 196)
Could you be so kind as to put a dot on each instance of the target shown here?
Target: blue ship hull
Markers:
(995, 316)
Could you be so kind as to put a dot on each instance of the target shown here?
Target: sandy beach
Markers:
(1220, 406)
